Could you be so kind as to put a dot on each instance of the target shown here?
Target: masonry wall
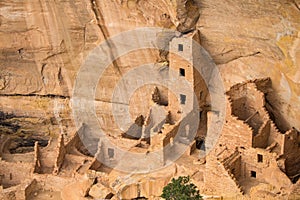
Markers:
(233, 164)
(74, 141)
(291, 148)
(181, 84)
(60, 155)
(261, 139)
(202, 72)
(267, 170)
(29, 188)
(36, 159)
(218, 181)
(236, 133)
(250, 163)
(249, 107)
(4, 143)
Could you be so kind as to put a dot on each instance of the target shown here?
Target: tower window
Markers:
(180, 47)
(182, 99)
(253, 174)
(259, 158)
(111, 153)
(181, 72)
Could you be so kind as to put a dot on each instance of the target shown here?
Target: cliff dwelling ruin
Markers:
(173, 126)
(252, 152)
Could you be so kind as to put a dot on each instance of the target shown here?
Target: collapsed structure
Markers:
(252, 157)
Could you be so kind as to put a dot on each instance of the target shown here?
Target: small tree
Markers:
(181, 189)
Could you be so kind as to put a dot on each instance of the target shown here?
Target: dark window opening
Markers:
(259, 158)
(109, 196)
(253, 174)
(111, 153)
(182, 99)
(181, 72)
(200, 114)
(199, 144)
(180, 47)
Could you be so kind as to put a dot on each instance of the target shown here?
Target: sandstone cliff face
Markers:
(252, 39)
(43, 44)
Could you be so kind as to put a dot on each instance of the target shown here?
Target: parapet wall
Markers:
(60, 155)
(219, 181)
(36, 159)
(261, 139)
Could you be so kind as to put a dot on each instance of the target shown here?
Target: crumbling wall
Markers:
(291, 150)
(218, 180)
(36, 159)
(261, 139)
(74, 141)
(169, 133)
(248, 107)
(14, 173)
(27, 189)
(96, 164)
(233, 164)
(4, 143)
(61, 153)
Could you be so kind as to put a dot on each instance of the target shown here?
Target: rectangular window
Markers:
(259, 158)
(253, 174)
(180, 47)
(181, 72)
(111, 153)
(182, 99)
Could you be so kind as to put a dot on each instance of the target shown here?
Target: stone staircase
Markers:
(227, 162)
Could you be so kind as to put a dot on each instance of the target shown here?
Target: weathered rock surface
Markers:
(44, 43)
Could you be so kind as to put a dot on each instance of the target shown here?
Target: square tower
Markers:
(191, 90)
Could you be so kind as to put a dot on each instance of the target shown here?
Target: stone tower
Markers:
(187, 83)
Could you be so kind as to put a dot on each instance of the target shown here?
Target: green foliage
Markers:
(181, 189)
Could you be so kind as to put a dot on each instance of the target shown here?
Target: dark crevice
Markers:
(42, 72)
(112, 102)
(52, 55)
(238, 57)
(223, 53)
(59, 76)
(24, 145)
(104, 31)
